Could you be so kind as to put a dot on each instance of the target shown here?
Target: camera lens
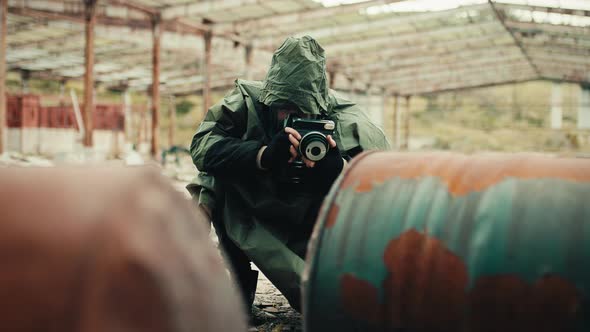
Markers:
(315, 151)
(314, 146)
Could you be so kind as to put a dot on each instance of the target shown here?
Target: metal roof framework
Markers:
(188, 46)
(396, 53)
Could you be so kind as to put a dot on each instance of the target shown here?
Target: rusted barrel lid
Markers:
(107, 249)
(451, 242)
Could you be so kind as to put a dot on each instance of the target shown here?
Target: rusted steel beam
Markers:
(419, 80)
(118, 249)
(157, 34)
(502, 18)
(78, 17)
(468, 86)
(449, 242)
(454, 85)
(187, 27)
(135, 6)
(90, 21)
(3, 25)
(374, 65)
(207, 73)
(173, 26)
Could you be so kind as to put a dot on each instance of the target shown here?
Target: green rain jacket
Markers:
(271, 225)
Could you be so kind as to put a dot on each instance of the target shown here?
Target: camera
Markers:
(313, 145)
(314, 133)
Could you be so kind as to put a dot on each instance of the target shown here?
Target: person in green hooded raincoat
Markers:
(241, 146)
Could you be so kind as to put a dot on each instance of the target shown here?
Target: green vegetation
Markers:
(506, 118)
(184, 107)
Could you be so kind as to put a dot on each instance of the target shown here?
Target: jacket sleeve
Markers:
(217, 147)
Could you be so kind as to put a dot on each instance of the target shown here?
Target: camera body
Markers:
(313, 145)
(314, 133)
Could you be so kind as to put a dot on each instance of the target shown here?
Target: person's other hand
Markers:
(277, 152)
(294, 138)
(327, 170)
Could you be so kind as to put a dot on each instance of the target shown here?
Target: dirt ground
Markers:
(272, 312)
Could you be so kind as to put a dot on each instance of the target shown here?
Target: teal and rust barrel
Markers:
(450, 242)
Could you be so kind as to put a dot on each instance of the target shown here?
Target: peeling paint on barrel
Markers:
(495, 244)
(460, 180)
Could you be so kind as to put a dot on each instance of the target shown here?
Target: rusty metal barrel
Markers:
(450, 242)
(103, 249)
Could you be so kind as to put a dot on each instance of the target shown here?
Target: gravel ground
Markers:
(272, 311)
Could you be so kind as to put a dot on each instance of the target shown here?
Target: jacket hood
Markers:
(297, 74)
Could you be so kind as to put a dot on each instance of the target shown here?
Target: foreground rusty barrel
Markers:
(107, 250)
(448, 242)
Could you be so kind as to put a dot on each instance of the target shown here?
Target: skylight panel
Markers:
(438, 5)
(333, 3)
(536, 16)
(420, 6)
(565, 4)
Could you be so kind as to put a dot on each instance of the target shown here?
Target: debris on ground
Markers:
(21, 160)
(271, 311)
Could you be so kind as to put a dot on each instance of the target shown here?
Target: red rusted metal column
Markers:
(407, 124)
(90, 19)
(156, 33)
(207, 72)
(3, 17)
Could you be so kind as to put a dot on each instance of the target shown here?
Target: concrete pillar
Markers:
(155, 142)
(3, 18)
(248, 56)
(62, 91)
(141, 133)
(90, 20)
(128, 130)
(556, 111)
(172, 114)
(397, 120)
(407, 124)
(584, 108)
(25, 75)
(384, 115)
(332, 78)
(207, 72)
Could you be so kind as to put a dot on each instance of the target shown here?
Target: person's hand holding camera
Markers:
(326, 170)
(276, 152)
